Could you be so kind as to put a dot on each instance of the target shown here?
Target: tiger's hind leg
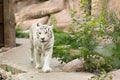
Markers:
(32, 45)
(32, 54)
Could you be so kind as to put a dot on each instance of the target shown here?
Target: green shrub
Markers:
(82, 43)
(20, 34)
(67, 47)
(115, 22)
(62, 46)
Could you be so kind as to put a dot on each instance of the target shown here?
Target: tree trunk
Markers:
(9, 24)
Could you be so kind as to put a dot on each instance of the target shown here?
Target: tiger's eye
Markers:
(45, 32)
(39, 32)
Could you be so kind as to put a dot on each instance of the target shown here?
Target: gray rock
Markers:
(73, 66)
(115, 74)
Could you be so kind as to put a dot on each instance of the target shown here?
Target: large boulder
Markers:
(20, 4)
(74, 66)
(64, 21)
(27, 12)
(39, 10)
(115, 74)
(25, 25)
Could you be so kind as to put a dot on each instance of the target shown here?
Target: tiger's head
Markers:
(44, 33)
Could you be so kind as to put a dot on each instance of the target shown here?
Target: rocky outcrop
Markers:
(36, 9)
(20, 4)
(64, 21)
(26, 24)
(114, 5)
(39, 10)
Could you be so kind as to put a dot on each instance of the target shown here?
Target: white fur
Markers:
(41, 51)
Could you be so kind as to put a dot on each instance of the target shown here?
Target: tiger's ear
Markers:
(38, 24)
(50, 25)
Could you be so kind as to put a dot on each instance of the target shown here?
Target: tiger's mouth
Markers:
(43, 41)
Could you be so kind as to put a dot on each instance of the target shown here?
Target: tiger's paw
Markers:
(38, 66)
(46, 69)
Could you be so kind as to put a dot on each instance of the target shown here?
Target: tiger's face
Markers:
(44, 33)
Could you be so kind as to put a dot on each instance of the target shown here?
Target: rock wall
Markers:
(114, 5)
(29, 11)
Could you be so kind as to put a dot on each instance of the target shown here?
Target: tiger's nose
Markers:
(42, 39)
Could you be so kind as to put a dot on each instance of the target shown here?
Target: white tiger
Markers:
(42, 41)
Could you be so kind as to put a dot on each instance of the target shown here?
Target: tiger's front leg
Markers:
(37, 55)
(47, 59)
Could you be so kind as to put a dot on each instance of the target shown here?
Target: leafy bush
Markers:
(62, 46)
(115, 22)
(20, 34)
(82, 43)
(69, 46)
